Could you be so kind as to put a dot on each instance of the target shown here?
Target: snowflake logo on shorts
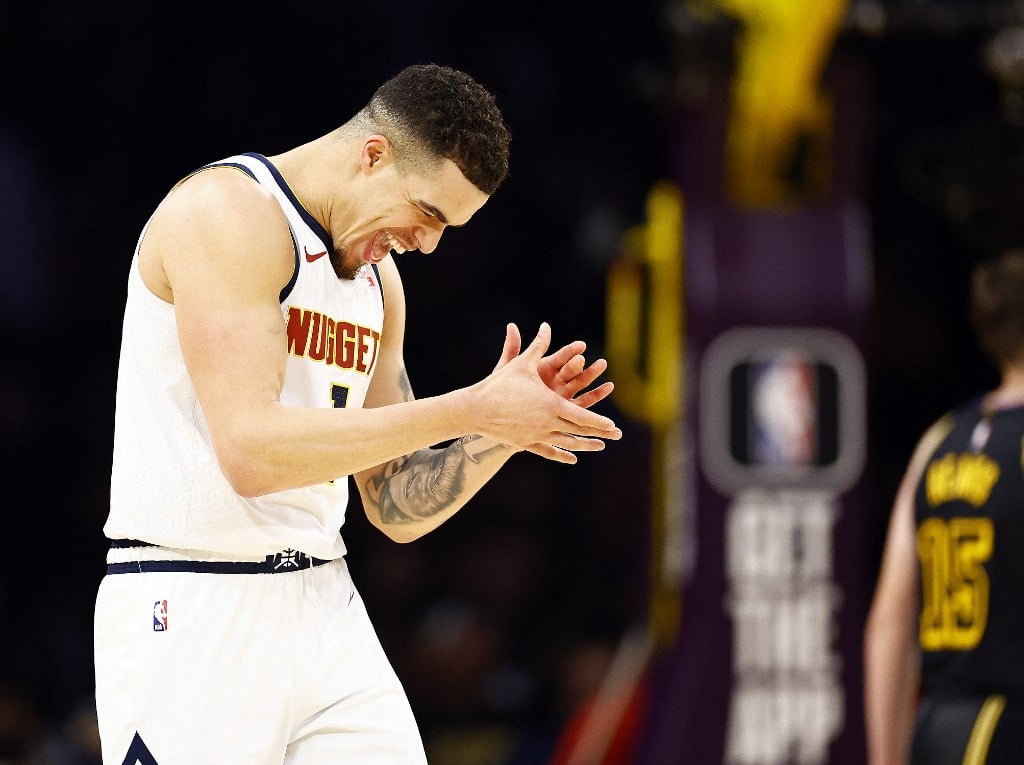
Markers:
(287, 559)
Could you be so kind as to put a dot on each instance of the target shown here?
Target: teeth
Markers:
(395, 244)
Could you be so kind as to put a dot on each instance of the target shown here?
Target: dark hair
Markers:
(997, 306)
(449, 115)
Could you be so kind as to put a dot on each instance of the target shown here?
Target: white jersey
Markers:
(166, 485)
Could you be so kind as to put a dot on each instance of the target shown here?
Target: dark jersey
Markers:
(969, 511)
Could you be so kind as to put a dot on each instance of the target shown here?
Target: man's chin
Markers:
(343, 269)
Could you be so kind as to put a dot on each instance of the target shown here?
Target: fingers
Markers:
(513, 340)
(591, 397)
(544, 405)
(586, 376)
(573, 377)
(572, 443)
(549, 452)
(560, 358)
(562, 447)
(540, 344)
(511, 347)
(570, 369)
(581, 422)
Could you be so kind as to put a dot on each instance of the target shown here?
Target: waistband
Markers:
(132, 556)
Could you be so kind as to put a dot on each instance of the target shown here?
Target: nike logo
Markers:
(314, 256)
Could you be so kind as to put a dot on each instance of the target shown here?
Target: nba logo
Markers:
(783, 408)
(160, 616)
(784, 411)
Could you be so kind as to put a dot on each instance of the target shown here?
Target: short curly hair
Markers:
(448, 114)
(997, 306)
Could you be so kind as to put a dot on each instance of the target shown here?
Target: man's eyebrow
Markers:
(435, 212)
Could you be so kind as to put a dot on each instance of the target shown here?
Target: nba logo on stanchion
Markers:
(783, 411)
(160, 616)
(782, 408)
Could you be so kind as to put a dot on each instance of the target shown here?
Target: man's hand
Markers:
(528, 417)
(565, 371)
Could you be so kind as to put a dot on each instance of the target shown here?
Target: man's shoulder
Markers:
(220, 215)
(224, 188)
(224, 199)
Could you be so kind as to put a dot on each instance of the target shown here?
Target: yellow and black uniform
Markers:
(969, 513)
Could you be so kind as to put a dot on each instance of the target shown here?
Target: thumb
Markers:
(510, 350)
(540, 344)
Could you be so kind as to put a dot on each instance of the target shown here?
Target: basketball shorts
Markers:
(966, 730)
(198, 664)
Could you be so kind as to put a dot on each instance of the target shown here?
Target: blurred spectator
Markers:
(26, 739)
(27, 259)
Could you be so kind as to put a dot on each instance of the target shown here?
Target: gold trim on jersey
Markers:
(984, 726)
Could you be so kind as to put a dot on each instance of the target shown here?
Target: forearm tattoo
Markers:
(423, 484)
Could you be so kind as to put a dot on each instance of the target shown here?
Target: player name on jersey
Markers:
(965, 476)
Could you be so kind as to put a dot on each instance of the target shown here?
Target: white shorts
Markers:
(253, 669)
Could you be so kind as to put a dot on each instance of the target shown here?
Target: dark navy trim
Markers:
(287, 289)
(138, 753)
(238, 166)
(278, 563)
(212, 165)
(318, 230)
(380, 284)
(310, 221)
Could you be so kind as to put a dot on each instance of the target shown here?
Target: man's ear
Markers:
(376, 149)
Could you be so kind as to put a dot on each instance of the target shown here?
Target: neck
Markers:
(315, 172)
(1011, 388)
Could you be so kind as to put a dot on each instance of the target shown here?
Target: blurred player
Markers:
(261, 365)
(944, 643)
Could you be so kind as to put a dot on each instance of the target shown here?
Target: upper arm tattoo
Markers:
(424, 483)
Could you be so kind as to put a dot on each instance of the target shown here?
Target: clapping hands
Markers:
(530, 417)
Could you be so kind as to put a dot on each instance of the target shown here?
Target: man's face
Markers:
(398, 213)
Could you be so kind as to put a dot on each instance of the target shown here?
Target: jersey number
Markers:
(339, 395)
(954, 582)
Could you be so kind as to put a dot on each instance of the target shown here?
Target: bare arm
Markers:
(220, 250)
(414, 494)
(891, 658)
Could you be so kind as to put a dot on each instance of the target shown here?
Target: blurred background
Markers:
(703, 190)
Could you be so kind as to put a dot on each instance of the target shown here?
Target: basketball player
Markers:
(261, 366)
(944, 643)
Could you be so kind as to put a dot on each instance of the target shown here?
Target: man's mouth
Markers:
(381, 245)
(396, 245)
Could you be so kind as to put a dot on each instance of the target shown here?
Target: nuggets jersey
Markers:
(969, 511)
(166, 485)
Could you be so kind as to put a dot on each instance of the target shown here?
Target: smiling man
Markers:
(262, 366)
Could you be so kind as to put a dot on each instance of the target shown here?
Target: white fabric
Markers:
(166, 485)
(250, 669)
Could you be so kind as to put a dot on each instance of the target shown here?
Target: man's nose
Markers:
(428, 237)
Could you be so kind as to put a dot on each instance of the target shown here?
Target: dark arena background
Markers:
(692, 182)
